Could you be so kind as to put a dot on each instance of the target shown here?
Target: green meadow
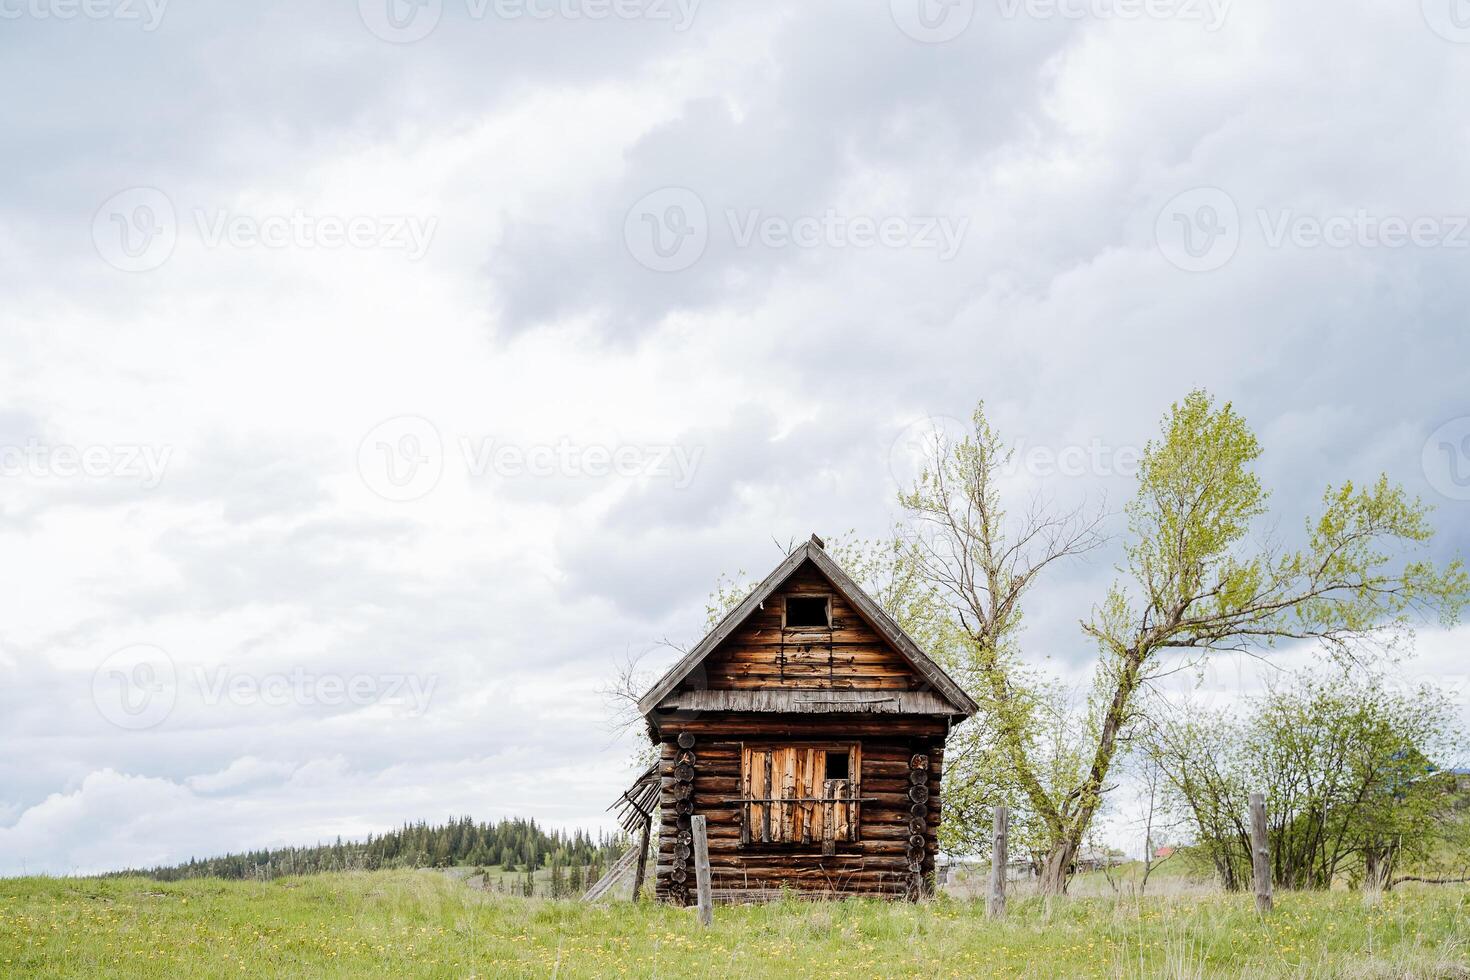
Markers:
(429, 924)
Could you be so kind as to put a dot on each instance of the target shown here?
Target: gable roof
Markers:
(812, 551)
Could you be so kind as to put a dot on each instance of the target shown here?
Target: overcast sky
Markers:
(374, 376)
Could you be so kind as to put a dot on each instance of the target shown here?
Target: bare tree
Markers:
(1151, 781)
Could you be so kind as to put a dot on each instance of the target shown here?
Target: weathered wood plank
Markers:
(1260, 854)
(702, 870)
(995, 906)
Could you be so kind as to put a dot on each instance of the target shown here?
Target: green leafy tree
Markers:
(1352, 773)
(1195, 582)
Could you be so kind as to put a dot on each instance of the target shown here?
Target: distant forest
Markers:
(512, 845)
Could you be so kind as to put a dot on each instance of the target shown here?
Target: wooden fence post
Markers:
(1260, 853)
(642, 859)
(995, 906)
(701, 869)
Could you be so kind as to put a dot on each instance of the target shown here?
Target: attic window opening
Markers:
(808, 612)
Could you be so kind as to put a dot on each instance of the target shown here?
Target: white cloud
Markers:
(529, 324)
(112, 819)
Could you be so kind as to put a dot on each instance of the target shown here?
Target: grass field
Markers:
(430, 924)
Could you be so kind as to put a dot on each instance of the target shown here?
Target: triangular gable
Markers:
(866, 608)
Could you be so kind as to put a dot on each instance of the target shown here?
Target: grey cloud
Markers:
(792, 370)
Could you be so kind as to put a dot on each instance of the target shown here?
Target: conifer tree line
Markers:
(511, 845)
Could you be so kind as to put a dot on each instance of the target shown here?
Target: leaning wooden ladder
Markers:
(636, 808)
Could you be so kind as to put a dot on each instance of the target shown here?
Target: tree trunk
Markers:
(1055, 872)
(1058, 867)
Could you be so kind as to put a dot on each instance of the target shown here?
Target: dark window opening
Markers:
(836, 765)
(806, 611)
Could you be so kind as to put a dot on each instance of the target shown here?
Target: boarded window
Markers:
(800, 794)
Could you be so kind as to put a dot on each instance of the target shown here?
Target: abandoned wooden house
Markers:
(808, 728)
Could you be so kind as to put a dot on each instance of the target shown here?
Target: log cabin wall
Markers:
(851, 655)
(788, 687)
(876, 864)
